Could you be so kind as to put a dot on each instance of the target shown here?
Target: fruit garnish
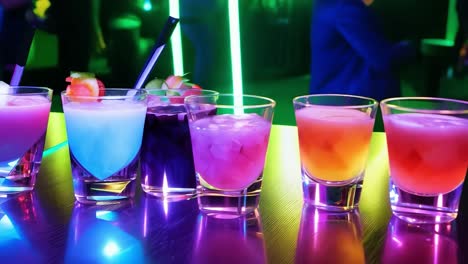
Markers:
(84, 84)
(196, 86)
(192, 92)
(157, 84)
(175, 82)
(82, 75)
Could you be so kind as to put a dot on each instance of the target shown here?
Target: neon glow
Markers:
(165, 190)
(111, 249)
(236, 60)
(147, 6)
(176, 40)
(53, 149)
(451, 27)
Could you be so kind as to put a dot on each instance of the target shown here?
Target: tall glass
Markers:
(427, 141)
(334, 137)
(167, 169)
(24, 114)
(229, 149)
(104, 138)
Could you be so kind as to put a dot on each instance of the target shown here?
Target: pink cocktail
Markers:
(229, 150)
(427, 141)
(429, 153)
(24, 113)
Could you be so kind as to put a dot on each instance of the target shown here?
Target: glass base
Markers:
(104, 192)
(341, 197)
(20, 175)
(241, 202)
(114, 189)
(419, 209)
(171, 194)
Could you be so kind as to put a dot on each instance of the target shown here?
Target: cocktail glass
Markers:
(229, 150)
(104, 138)
(24, 114)
(334, 136)
(427, 141)
(167, 169)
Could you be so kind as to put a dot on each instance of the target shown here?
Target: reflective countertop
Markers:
(47, 226)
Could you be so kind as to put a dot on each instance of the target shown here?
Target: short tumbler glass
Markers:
(427, 140)
(104, 138)
(334, 137)
(24, 114)
(229, 149)
(167, 169)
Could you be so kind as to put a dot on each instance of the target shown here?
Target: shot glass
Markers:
(229, 150)
(167, 169)
(104, 139)
(24, 114)
(427, 140)
(334, 136)
(329, 237)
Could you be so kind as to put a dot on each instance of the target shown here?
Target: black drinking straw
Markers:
(163, 38)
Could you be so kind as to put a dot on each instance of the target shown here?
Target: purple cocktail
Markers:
(167, 167)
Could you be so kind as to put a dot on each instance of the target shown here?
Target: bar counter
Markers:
(47, 226)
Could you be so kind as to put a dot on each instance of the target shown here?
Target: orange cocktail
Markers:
(333, 142)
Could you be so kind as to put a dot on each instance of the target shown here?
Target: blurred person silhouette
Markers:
(350, 54)
(13, 23)
(204, 23)
(78, 31)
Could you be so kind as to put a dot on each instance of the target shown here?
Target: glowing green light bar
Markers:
(452, 21)
(236, 61)
(176, 40)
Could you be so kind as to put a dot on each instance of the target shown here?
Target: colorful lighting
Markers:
(236, 61)
(147, 6)
(176, 40)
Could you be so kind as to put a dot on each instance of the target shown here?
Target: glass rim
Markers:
(176, 90)
(349, 106)
(41, 90)
(387, 103)
(272, 103)
(108, 97)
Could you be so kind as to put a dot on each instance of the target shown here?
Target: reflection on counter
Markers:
(409, 243)
(103, 234)
(329, 237)
(18, 215)
(168, 228)
(224, 240)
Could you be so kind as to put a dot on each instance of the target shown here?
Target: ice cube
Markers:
(112, 102)
(4, 87)
(221, 119)
(27, 100)
(225, 150)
